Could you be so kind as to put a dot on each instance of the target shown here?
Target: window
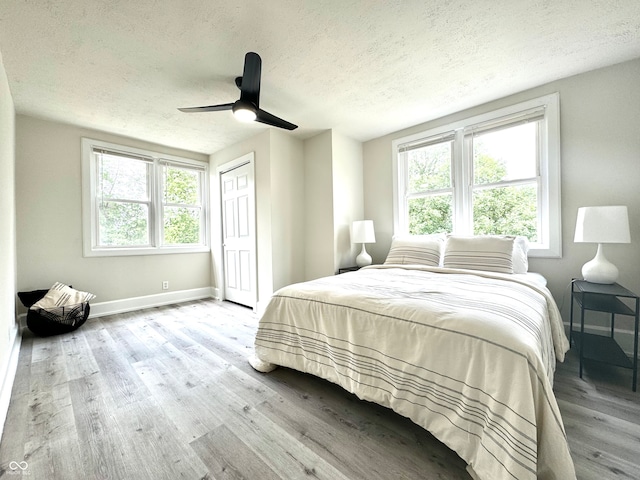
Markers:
(497, 173)
(137, 202)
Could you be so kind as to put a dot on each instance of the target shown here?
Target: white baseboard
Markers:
(8, 375)
(101, 309)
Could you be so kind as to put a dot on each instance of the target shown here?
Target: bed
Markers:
(446, 334)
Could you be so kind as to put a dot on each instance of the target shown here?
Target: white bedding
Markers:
(469, 356)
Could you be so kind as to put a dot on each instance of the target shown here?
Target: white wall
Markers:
(7, 217)
(9, 339)
(318, 179)
(8, 326)
(600, 138)
(287, 208)
(334, 199)
(348, 197)
(49, 221)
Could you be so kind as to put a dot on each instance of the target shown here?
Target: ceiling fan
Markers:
(247, 109)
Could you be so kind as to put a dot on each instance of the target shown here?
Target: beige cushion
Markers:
(61, 295)
(492, 253)
(416, 250)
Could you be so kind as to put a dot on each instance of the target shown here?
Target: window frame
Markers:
(549, 201)
(90, 214)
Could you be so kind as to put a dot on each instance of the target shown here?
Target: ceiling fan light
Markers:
(244, 113)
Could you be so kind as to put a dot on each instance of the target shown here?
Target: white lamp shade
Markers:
(602, 225)
(362, 232)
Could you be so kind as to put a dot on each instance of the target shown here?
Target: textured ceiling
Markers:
(365, 68)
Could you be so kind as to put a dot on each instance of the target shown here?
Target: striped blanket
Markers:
(469, 356)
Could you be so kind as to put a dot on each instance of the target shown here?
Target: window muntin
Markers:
(530, 173)
(138, 202)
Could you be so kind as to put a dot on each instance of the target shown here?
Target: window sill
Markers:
(126, 252)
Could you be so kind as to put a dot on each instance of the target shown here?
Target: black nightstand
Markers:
(604, 348)
(347, 269)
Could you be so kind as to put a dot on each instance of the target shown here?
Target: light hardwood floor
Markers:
(167, 393)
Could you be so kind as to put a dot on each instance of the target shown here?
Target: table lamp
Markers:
(362, 232)
(602, 225)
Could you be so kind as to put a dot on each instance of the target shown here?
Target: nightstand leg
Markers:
(571, 316)
(635, 349)
(581, 334)
(613, 322)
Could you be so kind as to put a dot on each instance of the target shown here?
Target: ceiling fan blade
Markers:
(269, 119)
(210, 108)
(250, 82)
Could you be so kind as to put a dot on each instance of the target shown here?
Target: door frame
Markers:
(248, 158)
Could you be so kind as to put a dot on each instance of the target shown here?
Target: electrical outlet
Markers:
(165, 285)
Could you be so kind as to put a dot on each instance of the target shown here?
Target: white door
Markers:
(238, 235)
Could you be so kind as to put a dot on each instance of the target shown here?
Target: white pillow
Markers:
(491, 253)
(520, 255)
(416, 250)
(61, 295)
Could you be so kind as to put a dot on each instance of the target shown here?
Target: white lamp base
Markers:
(363, 259)
(600, 270)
